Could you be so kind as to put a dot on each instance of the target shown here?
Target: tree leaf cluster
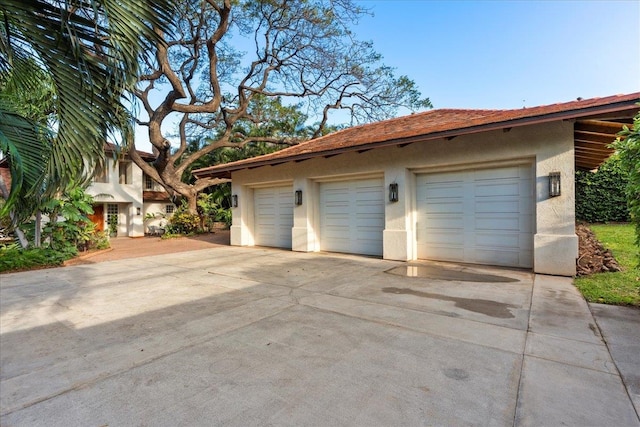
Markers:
(80, 57)
(236, 73)
(627, 145)
(601, 195)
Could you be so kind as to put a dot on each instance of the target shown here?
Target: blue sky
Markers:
(504, 54)
(509, 54)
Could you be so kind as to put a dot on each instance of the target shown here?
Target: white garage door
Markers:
(482, 216)
(352, 216)
(273, 210)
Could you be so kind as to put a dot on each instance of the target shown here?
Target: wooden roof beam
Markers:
(605, 138)
(599, 126)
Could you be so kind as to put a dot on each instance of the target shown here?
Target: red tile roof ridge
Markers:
(110, 147)
(431, 122)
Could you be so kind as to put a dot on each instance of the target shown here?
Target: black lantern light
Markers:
(393, 192)
(234, 200)
(554, 184)
(298, 197)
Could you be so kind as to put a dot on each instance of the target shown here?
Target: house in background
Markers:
(121, 190)
(491, 187)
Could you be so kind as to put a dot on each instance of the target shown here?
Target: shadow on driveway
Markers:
(254, 336)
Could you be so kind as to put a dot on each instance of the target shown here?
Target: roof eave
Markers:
(219, 171)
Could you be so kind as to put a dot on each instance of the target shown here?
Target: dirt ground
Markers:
(127, 247)
(593, 257)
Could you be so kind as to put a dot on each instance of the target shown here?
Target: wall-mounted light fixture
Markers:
(298, 197)
(234, 200)
(138, 211)
(393, 192)
(554, 184)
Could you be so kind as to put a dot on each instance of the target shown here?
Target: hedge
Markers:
(600, 196)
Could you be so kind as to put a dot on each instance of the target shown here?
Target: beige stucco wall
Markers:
(159, 210)
(546, 148)
(128, 197)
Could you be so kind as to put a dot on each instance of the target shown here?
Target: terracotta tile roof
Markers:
(429, 125)
(110, 148)
(155, 196)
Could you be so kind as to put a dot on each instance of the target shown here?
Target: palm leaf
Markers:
(92, 57)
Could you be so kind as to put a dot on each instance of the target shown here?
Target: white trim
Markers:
(517, 161)
(348, 177)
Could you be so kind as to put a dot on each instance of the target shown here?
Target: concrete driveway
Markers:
(251, 336)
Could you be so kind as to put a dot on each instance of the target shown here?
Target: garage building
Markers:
(492, 187)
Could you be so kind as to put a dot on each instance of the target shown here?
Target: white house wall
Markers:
(159, 210)
(127, 196)
(547, 148)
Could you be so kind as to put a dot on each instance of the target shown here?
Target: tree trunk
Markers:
(19, 233)
(192, 204)
(37, 239)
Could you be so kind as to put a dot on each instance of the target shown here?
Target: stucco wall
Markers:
(127, 196)
(159, 210)
(546, 148)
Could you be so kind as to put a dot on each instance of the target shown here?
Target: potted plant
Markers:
(113, 225)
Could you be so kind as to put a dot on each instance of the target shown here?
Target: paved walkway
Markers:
(253, 336)
(127, 247)
(620, 327)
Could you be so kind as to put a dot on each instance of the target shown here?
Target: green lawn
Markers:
(621, 288)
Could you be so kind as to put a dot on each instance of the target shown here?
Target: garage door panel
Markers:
(273, 216)
(365, 223)
(441, 222)
(352, 216)
(502, 189)
(496, 223)
(495, 257)
(504, 206)
(444, 253)
(489, 219)
(497, 174)
(445, 207)
(445, 238)
(526, 227)
(445, 192)
(497, 240)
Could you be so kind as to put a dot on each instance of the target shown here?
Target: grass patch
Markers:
(620, 288)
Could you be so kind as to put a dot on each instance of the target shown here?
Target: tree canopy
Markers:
(627, 146)
(230, 68)
(89, 51)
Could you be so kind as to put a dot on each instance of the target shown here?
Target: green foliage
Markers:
(215, 206)
(628, 147)
(99, 240)
(25, 138)
(249, 73)
(183, 222)
(17, 259)
(77, 229)
(69, 62)
(600, 196)
(619, 288)
(112, 223)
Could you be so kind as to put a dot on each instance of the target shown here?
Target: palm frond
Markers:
(90, 49)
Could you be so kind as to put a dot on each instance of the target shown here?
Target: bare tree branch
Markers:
(302, 52)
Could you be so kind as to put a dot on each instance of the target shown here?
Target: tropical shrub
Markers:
(76, 230)
(14, 258)
(183, 222)
(628, 148)
(600, 195)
